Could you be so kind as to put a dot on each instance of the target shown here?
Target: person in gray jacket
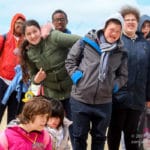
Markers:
(97, 65)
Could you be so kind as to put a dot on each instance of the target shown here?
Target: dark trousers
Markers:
(125, 120)
(66, 105)
(93, 118)
(12, 103)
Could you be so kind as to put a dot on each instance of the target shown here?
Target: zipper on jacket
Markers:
(96, 92)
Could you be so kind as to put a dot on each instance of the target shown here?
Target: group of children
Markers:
(40, 126)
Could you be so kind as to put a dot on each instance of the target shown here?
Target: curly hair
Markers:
(125, 10)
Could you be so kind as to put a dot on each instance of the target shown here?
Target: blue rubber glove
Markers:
(76, 76)
(115, 89)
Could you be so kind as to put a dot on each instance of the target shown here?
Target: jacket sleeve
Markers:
(47, 141)
(1, 42)
(62, 39)
(12, 87)
(148, 76)
(3, 141)
(73, 58)
(122, 72)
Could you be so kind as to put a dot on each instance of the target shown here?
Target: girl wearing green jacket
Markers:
(45, 59)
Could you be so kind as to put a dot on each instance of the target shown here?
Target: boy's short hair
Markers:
(38, 105)
(59, 11)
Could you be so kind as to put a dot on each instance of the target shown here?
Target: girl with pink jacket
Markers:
(29, 133)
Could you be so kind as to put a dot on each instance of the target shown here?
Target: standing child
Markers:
(45, 59)
(29, 132)
(57, 127)
(97, 65)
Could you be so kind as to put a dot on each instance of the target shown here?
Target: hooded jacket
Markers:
(90, 89)
(54, 134)
(15, 138)
(8, 60)
(143, 18)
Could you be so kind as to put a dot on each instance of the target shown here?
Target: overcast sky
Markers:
(83, 15)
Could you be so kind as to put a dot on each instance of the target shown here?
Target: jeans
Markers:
(125, 120)
(93, 118)
(12, 103)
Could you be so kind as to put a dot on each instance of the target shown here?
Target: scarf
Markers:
(57, 135)
(106, 48)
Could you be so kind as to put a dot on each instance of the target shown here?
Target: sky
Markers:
(83, 15)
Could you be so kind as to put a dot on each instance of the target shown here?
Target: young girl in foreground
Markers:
(57, 126)
(29, 134)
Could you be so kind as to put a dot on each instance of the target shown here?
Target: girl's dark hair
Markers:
(24, 48)
(57, 110)
(23, 61)
(30, 23)
(38, 105)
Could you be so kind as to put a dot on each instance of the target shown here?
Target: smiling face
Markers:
(33, 34)
(112, 32)
(59, 21)
(146, 28)
(130, 24)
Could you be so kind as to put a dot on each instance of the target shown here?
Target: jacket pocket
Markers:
(121, 96)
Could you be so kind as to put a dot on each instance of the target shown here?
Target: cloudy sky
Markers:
(83, 15)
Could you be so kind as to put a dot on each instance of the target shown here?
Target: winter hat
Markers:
(116, 16)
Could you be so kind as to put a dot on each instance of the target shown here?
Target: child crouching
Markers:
(28, 133)
(57, 126)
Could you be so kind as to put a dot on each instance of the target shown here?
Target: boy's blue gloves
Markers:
(76, 76)
(115, 89)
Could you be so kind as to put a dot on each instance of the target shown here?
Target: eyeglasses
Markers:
(59, 19)
(130, 20)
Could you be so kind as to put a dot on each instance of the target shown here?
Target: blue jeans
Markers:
(93, 118)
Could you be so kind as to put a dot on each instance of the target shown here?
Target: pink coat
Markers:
(15, 138)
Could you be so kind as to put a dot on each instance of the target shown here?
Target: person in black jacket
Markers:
(129, 101)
